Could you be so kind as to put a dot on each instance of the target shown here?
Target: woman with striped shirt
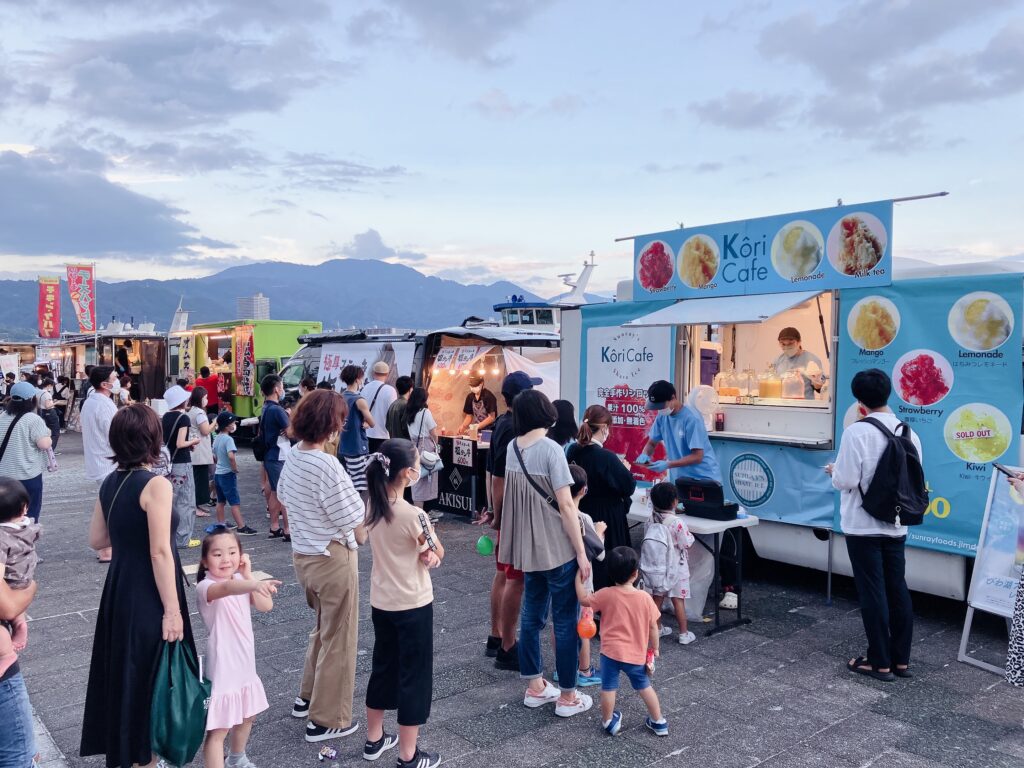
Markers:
(326, 516)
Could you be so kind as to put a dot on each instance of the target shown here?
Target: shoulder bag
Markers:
(430, 461)
(162, 467)
(592, 543)
(181, 696)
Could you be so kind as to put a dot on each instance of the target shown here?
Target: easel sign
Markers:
(998, 561)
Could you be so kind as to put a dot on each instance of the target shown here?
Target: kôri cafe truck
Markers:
(706, 308)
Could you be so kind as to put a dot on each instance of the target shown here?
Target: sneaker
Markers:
(730, 602)
(245, 530)
(275, 533)
(242, 761)
(374, 749)
(547, 696)
(614, 725)
(422, 759)
(316, 732)
(507, 660)
(664, 631)
(193, 543)
(588, 678)
(435, 516)
(685, 638)
(581, 704)
(301, 707)
(286, 538)
(493, 644)
(659, 728)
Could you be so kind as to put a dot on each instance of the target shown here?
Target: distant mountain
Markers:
(341, 293)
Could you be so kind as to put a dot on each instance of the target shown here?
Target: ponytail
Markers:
(594, 417)
(394, 456)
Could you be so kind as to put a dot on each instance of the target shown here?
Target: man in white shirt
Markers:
(380, 395)
(876, 547)
(98, 411)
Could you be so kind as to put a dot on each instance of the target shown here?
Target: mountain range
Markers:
(341, 293)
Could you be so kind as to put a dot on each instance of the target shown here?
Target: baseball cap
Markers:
(224, 418)
(175, 396)
(518, 381)
(382, 368)
(23, 391)
(658, 395)
(475, 379)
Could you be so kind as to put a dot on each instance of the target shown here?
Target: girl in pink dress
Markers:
(226, 590)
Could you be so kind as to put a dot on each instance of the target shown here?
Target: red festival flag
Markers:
(49, 307)
(82, 287)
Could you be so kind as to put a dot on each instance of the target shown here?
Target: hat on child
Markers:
(224, 418)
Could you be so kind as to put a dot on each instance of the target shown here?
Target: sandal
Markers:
(861, 666)
(904, 673)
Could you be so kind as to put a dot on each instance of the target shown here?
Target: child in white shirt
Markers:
(664, 500)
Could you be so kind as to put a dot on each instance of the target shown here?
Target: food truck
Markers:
(144, 348)
(240, 353)
(949, 338)
(450, 357)
(16, 354)
(322, 355)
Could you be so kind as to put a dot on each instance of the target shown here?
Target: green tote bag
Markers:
(180, 700)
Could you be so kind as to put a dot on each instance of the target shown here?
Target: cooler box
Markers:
(703, 498)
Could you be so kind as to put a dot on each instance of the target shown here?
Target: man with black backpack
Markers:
(879, 473)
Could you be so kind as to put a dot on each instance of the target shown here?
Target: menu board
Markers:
(952, 347)
(1000, 556)
(842, 247)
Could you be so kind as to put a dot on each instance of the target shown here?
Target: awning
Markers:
(724, 309)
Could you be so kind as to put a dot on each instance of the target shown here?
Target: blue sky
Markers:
(486, 139)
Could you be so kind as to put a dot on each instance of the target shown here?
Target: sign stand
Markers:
(996, 577)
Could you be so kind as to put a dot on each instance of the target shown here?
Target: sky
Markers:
(486, 139)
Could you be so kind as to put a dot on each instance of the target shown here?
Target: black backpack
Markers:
(897, 493)
(259, 446)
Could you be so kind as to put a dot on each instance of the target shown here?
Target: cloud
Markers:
(743, 110)
(370, 245)
(495, 104)
(370, 27)
(193, 154)
(470, 30)
(53, 206)
(329, 174)
(179, 78)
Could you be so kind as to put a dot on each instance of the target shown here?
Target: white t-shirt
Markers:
(97, 413)
(860, 449)
(323, 506)
(381, 402)
(421, 425)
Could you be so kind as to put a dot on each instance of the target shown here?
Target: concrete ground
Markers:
(775, 693)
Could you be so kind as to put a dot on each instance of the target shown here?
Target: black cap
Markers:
(224, 418)
(659, 394)
(518, 381)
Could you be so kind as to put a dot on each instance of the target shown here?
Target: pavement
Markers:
(775, 693)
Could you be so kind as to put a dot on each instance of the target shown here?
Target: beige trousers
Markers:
(329, 676)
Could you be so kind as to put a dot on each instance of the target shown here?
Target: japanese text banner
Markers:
(82, 288)
(49, 308)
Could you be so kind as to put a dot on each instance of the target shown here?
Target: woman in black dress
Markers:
(610, 484)
(143, 600)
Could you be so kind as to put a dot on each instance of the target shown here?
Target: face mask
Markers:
(115, 388)
(476, 390)
(792, 351)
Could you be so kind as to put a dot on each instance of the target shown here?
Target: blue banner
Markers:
(842, 247)
(952, 347)
(777, 482)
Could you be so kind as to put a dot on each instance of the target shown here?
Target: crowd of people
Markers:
(343, 470)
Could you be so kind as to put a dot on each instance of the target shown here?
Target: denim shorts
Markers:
(17, 746)
(227, 489)
(273, 473)
(610, 668)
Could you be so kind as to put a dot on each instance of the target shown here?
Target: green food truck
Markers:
(240, 353)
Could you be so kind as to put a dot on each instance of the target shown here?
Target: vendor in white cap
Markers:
(481, 406)
(380, 395)
(795, 358)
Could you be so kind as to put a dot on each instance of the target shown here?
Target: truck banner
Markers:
(49, 307)
(954, 357)
(245, 361)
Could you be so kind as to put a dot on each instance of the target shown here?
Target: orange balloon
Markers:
(586, 628)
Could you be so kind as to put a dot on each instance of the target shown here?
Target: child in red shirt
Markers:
(629, 627)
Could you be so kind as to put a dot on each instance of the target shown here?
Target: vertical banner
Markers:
(618, 364)
(952, 348)
(187, 354)
(82, 288)
(49, 308)
(9, 364)
(245, 361)
(1000, 556)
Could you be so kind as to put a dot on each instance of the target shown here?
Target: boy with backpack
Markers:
(663, 562)
(879, 474)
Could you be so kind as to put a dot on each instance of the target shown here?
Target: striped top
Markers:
(22, 460)
(322, 504)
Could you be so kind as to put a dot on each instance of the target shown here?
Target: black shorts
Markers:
(403, 663)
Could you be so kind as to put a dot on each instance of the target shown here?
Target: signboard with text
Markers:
(49, 308)
(1000, 557)
(841, 247)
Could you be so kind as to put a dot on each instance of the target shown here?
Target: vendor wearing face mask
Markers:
(481, 406)
(794, 356)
